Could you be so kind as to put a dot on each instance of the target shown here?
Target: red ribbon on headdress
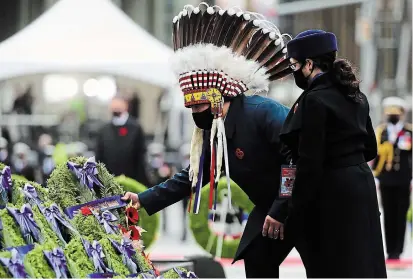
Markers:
(212, 176)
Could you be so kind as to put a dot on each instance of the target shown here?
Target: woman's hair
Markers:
(342, 72)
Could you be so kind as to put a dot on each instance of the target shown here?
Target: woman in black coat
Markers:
(334, 211)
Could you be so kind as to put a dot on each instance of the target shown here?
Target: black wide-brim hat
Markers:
(310, 44)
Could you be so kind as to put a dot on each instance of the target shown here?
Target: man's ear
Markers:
(310, 64)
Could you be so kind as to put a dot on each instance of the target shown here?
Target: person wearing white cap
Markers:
(393, 169)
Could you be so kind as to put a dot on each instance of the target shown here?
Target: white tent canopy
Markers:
(91, 36)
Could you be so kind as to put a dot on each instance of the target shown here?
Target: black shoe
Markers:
(393, 257)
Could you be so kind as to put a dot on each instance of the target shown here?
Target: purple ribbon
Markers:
(27, 224)
(147, 275)
(126, 250)
(57, 260)
(54, 217)
(95, 252)
(14, 265)
(106, 219)
(183, 274)
(5, 184)
(87, 174)
(31, 195)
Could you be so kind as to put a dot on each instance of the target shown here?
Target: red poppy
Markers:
(132, 215)
(135, 235)
(86, 211)
(123, 131)
(123, 230)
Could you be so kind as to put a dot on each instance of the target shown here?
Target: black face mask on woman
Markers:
(300, 80)
(203, 120)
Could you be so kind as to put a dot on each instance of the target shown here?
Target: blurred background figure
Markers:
(158, 171)
(45, 157)
(20, 163)
(121, 143)
(393, 169)
(4, 151)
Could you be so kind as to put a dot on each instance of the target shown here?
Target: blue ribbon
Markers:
(87, 174)
(147, 275)
(126, 250)
(57, 260)
(95, 252)
(14, 265)
(28, 227)
(106, 218)
(183, 274)
(31, 195)
(54, 217)
(5, 184)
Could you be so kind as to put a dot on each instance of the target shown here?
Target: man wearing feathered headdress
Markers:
(223, 58)
(393, 169)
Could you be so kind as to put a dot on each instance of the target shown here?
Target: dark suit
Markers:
(122, 149)
(334, 212)
(252, 126)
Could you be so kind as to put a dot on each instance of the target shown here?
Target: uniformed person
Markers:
(215, 82)
(393, 169)
(334, 212)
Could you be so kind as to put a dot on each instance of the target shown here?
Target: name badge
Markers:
(287, 180)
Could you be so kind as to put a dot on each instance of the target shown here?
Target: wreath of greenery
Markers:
(65, 188)
(149, 223)
(199, 222)
(36, 264)
(3, 272)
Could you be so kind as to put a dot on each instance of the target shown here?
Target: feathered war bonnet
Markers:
(222, 54)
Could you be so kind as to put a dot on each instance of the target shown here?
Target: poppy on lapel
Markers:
(239, 153)
(295, 107)
(123, 131)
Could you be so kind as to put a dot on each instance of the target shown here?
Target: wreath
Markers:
(199, 223)
(44, 251)
(67, 182)
(150, 223)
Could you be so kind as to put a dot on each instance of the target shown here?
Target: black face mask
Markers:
(393, 119)
(203, 120)
(116, 113)
(300, 80)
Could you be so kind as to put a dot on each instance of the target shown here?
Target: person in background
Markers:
(159, 171)
(45, 157)
(393, 170)
(121, 143)
(20, 161)
(334, 210)
(4, 151)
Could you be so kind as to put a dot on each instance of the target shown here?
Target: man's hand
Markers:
(272, 228)
(129, 196)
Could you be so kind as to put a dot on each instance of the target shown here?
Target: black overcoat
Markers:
(334, 204)
(252, 128)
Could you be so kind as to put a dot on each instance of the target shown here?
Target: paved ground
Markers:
(169, 245)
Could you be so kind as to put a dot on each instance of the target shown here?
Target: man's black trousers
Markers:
(395, 201)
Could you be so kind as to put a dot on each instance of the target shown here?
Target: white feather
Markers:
(210, 57)
(195, 156)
